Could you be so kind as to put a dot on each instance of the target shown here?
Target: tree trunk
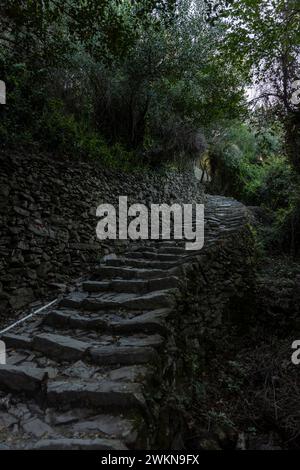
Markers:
(292, 134)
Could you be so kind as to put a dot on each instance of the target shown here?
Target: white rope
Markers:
(28, 316)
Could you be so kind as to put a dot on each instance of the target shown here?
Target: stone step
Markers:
(125, 350)
(150, 255)
(90, 423)
(59, 347)
(104, 395)
(122, 429)
(166, 243)
(22, 379)
(161, 249)
(176, 250)
(78, 444)
(153, 321)
(74, 300)
(108, 355)
(39, 428)
(16, 341)
(137, 263)
(131, 285)
(150, 301)
(109, 272)
(74, 319)
(149, 322)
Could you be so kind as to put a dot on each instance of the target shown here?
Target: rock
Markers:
(137, 263)
(19, 378)
(113, 426)
(149, 322)
(123, 355)
(21, 297)
(38, 230)
(141, 341)
(60, 419)
(109, 272)
(21, 211)
(131, 374)
(80, 369)
(74, 300)
(6, 421)
(152, 300)
(15, 358)
(74, 320)
(78, 444)
(131, 285)
(43, 269)
(37, 427)
(103, 394)
(20, 411)
(4, 447)
(16, 341)
(63, 348)
(58, 286)
(4, 190)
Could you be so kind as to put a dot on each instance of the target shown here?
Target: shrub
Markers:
(270, 183)
(64, 133)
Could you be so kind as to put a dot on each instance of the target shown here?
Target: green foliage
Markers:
(272, 184)
(66, 135)
(129, 72)
(250, 165)
(233, 156)
(263, 34)
(263, 39)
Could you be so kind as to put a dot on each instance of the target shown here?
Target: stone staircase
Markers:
(85, 375)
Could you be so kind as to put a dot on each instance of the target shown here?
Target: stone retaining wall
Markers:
(217, 288)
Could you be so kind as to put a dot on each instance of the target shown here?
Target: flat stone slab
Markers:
(96, 286)
(60, 347)
(108, 272)
(57, 318)
(123, 355)
(141, 341)
(151, 255)
(152, 300)
(138, 263)
(37, 427)
(138, 286)
(103, 394)
(73, 300)
(7, 420)
(153, 321)
(137, 374)
(4, 447)
(112, 426)
(173, 250)
(20, 378)
(16, 341)
(78, 444)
